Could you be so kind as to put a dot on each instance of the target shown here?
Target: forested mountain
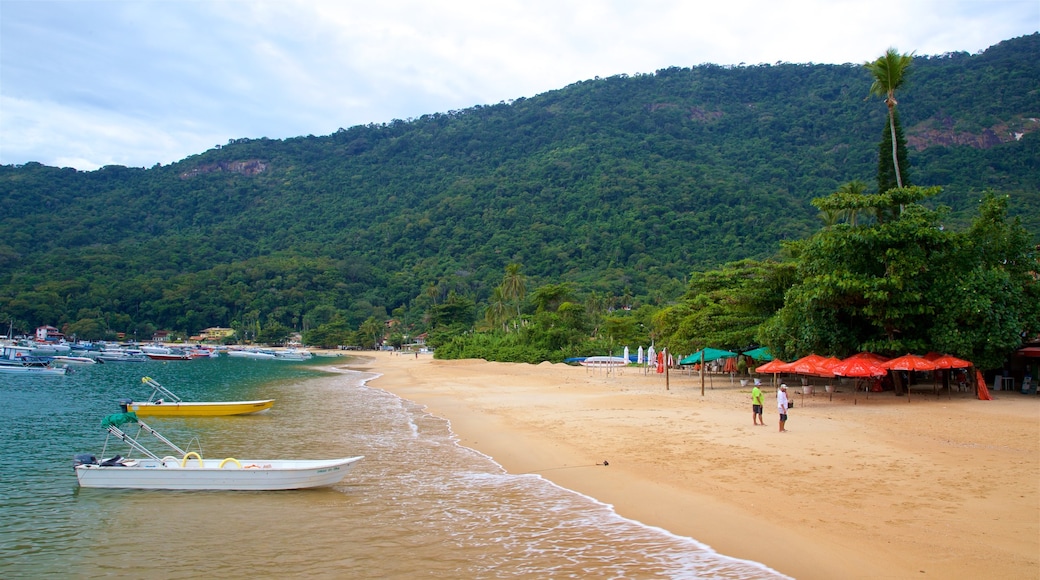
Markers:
(621, 186)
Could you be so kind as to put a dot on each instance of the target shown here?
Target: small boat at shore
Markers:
(604, 361)
(189, 471)
(163, 403)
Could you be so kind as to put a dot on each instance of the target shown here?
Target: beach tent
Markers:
(760, 353)
(706, 355)
(710, 354)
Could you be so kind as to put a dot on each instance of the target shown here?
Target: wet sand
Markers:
(877, 487)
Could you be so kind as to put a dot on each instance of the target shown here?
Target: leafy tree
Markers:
(889, 73)
(724, 308)
(371, 332)
(907, 284)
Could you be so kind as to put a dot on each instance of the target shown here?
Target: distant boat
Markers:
(75, 360)
(29, 369)
(172, 355)
(252, 353)
(121, 356)
(604, 361)
(16, 360)
(292, 354)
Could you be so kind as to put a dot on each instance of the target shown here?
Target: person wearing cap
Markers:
(781, 406)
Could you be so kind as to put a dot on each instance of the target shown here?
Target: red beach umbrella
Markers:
(858, 367)
(869, 356)
(812, 364)
(772, 366)
(909, 362)
(947, 361)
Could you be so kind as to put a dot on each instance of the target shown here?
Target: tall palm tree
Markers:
(889, 72)
(514, 287)
(857, 188)
(497, 311)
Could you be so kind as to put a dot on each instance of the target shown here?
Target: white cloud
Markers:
(89, 83)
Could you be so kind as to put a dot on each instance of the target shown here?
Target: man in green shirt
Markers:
(756, 405)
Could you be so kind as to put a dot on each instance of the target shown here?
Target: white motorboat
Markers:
(252, 353)
(107, 356)
(74, 360)
(31, 369)
(18, 360)
(188, 470)
(292, 354)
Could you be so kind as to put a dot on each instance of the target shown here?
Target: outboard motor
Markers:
(125, 404)
(83, 459)
(116, 461)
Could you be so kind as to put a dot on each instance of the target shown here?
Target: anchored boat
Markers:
(188, 469)
(163, 403)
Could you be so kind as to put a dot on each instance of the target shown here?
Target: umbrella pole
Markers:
(702, 372)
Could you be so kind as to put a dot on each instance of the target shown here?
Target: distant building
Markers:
(161, 336)
(49, 334)
(216, 333)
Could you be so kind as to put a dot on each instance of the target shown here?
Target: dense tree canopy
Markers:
(618, 188)
(908, 284)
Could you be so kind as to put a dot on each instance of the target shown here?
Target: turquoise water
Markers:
(418, 505)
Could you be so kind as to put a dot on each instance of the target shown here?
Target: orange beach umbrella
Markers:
(909, 362)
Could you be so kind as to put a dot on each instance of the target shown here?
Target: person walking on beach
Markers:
(756, 406)
(781, 406)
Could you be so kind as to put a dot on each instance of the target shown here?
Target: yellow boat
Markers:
(166, 404)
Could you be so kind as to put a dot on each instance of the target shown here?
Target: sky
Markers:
(89, 83)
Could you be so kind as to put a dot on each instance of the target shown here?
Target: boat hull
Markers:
(604, 361)
(200, 409)
(217, 474)
(37, 371)
(251, 354)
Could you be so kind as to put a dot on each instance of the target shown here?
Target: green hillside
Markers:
(622, 186)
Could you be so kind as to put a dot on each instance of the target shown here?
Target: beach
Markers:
(861, 486)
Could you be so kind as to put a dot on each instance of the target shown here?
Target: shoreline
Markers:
(881, 487)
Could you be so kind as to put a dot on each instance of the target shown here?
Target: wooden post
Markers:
(667, 385)
(702, 372)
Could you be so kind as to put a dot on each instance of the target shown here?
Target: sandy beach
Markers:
(878, 487)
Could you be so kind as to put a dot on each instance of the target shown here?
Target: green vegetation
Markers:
(674, 206)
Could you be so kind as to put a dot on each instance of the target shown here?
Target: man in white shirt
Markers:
(781, 406)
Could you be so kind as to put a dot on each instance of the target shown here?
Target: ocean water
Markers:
(418, 506)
